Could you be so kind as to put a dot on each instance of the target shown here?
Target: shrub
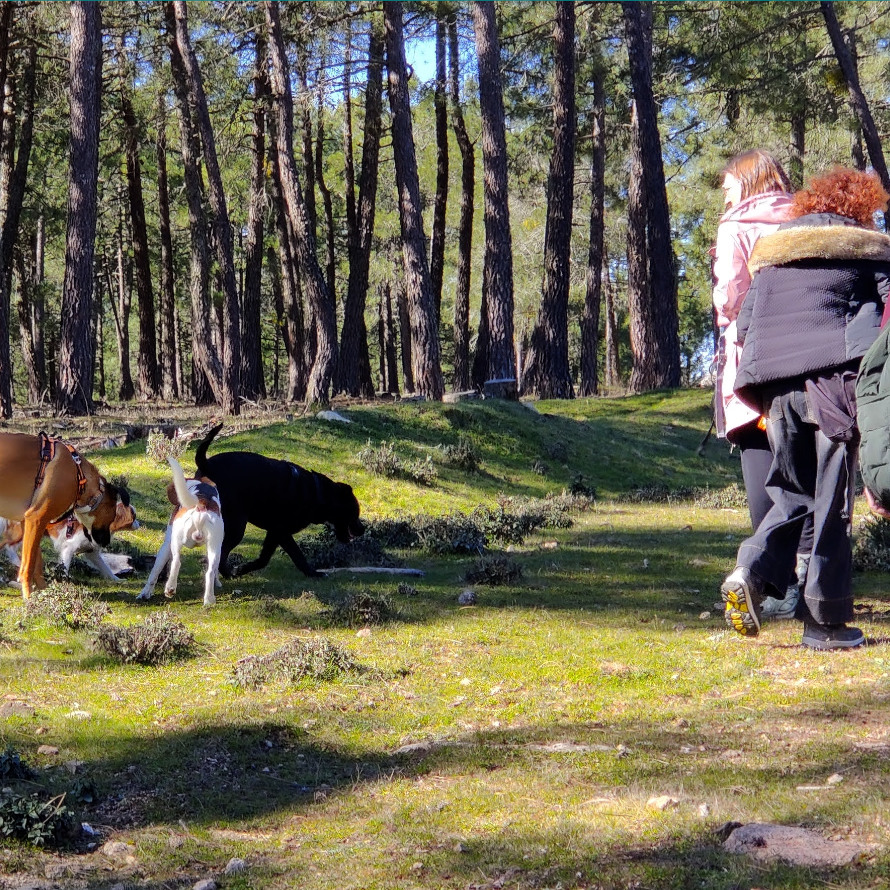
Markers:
(159, 638)
(27, 817)
(313, 659)
(453, 533)
(658, 494)
(160, 446)
(406, 589)
(383, 461)
(732, 497)
(361, 609)
(67, 605)
(494, 571)
(462, 456)
(322, 549)
(871, 548)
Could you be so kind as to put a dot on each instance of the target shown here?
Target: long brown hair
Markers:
(758, 172)
(851, 193)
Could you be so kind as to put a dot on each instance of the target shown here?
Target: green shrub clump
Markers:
(312, 659)
(494, 571)
(384, 461)
(159, 638)
(66, 605)
(34, 820)
(361, 609)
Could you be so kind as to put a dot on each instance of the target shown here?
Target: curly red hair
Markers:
(851, 193)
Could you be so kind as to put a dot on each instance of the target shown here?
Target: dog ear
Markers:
(171, 495)
(205, 480)
(123, 518)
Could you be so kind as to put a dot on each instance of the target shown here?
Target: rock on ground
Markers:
(799, 846)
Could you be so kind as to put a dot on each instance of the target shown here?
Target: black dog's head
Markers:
(344, 513)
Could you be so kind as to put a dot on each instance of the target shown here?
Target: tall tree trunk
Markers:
(126, 390)
(15, 182)
(590, 320)
(389, 344)
(322, 305)
(546, 373)
(207, 367)
(75, 388)
(424, 330)
(170, 381)
(405, 338)
(497, 270)
(797, 147)
(222, 230)
(326, 200)
(147, 357)
(858, 102)
(654, 315)
(253, 385)
(465, 226)
(440, 204)
(355, 364)
(613, 367)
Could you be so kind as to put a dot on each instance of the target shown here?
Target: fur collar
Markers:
(845, 243)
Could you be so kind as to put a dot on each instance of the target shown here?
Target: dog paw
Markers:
(209, 601)
(144, 596)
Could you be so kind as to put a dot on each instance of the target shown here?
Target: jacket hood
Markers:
(768, 207)
(844, 242)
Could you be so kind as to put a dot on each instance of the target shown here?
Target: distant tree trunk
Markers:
(326, 200)
(465, 227)
(147, 357)
(355, 364)
(75, 389)
(613, 368)
(389, 370)
(29, 269)
(440, 204)
(858, 102)
(653, 307)
(222, 230)
(126, 390)
(546, 372)
(348, 156)
(405, 339)
(797, 147)
(497, 271)
(590, 320)
(424, 329)
(15, 183)
(320, 301)
(170, 382)
(208, 371)
(253, 385)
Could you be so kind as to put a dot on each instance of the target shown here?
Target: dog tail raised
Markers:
(186, 498)
(201, 453)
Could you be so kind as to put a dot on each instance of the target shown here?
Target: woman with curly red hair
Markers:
(814, 307)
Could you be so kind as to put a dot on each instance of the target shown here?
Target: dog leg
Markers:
(214, 554)
(31, 577)
(289, 546)
(175, 565)
(95, 559)
(157, 568)
(234, 534)
(270, 545)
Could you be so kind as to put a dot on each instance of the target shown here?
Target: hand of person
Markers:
(875, 507)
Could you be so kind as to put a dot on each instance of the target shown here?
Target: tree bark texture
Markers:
(654, 320)
(590, 319)
(858, 102)
(206, 362)
(546, 373)
(222, 230)
(253, 385)
(76, 356)
(465, 226)
(355, 363)
(318, 391)
(497, 272)
(440, 203)
(426, 365)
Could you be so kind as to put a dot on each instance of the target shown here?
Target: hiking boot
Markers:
(781, 610)
(742, 594)
(831, 636)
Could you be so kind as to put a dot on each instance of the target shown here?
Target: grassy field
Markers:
(514, 743)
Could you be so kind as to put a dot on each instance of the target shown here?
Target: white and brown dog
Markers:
(69, 539)
(196, 520)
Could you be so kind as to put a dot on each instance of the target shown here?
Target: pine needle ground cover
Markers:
(590, 723)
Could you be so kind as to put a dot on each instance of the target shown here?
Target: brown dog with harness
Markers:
(43, 480)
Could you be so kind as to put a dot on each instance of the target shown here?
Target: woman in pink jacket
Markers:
(756, 192)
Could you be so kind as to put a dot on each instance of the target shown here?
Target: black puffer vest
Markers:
(815, 302)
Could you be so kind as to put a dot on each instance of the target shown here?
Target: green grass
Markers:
(514, 743)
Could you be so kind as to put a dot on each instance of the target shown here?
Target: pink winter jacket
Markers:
(737, 233)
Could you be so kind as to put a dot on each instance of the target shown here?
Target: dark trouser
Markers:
(757, 461)
(812, 476)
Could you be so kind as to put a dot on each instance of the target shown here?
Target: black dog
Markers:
(277, 496)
